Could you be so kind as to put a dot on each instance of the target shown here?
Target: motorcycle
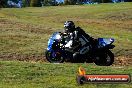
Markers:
(98, 52)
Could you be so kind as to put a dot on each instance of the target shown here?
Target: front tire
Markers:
(105, 59)
(50, 57)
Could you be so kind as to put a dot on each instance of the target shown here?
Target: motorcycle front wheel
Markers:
(54, 57)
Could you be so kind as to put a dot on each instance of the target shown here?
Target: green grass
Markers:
(16, 74)
(26, 30)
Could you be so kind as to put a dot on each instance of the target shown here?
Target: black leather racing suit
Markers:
(79, 33)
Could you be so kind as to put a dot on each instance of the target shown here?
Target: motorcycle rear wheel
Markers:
(105, 59)
(57, 59)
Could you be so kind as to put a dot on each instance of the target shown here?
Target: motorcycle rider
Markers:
(77, 37)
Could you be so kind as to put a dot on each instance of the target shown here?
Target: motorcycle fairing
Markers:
(55, 37)
(105, 41)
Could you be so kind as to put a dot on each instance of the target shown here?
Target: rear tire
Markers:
(51, 59)
(105, 59)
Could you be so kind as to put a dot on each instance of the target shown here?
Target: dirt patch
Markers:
(120, 60)
(25, 57)
(123, 60)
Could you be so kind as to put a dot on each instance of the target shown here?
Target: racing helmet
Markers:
(69, 26)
